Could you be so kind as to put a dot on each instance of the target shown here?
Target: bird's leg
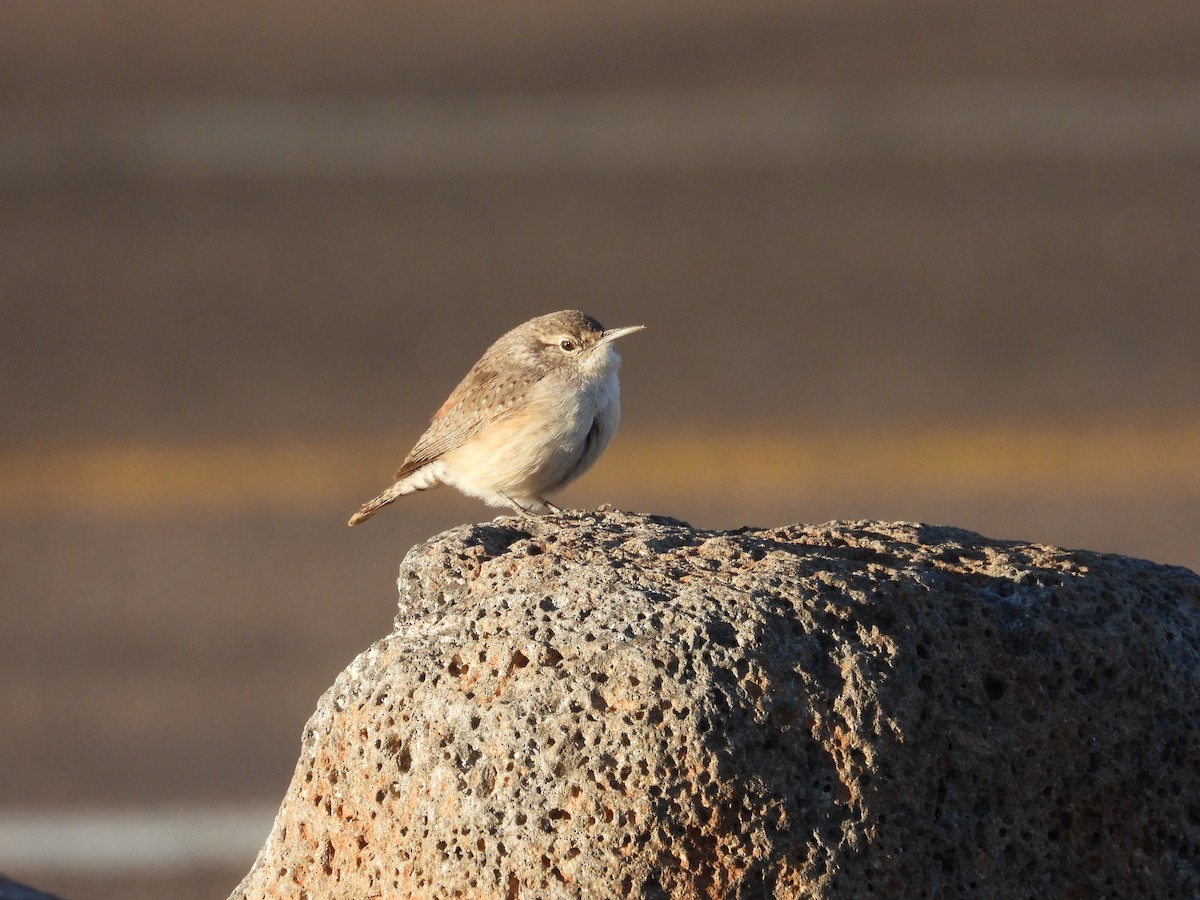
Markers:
(523, 510)
(517, 507)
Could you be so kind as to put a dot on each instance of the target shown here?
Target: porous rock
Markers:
(613, 705)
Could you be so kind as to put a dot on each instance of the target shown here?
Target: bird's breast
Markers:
(557, 433)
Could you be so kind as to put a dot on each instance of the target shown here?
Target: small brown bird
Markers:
(529, 418)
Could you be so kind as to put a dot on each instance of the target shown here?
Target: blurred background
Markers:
(928, 261)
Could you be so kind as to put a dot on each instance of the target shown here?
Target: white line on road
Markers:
(403, 138)
(125, 840)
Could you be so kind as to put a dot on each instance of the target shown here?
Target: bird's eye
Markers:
(567, 345)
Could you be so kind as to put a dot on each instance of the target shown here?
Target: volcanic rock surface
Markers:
(611, 705)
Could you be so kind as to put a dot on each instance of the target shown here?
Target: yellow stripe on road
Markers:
(141, 478)
(963, 460)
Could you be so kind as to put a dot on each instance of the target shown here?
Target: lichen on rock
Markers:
(614, 705)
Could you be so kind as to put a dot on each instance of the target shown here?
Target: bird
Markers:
(531, 416)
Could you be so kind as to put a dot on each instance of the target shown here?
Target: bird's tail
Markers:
(368, 509)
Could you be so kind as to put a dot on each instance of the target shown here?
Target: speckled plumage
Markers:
(531, 416)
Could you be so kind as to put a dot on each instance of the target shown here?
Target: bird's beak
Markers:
(613, 333)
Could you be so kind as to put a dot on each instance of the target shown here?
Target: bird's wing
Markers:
(483, 398)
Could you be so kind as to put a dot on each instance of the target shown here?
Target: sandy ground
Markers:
(165, 653)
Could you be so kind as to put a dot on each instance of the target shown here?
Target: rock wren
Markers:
(531, 416)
